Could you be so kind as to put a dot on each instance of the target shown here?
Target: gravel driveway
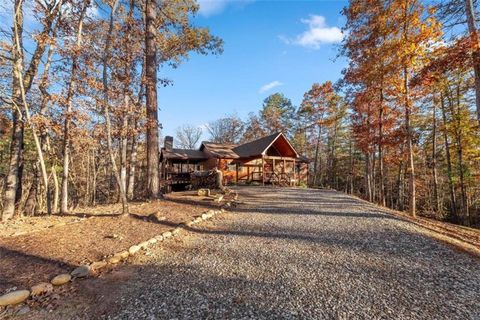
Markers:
(301, 254)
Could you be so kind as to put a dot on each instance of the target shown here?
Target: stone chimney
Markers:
(168, 145)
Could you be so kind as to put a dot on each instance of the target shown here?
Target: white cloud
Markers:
(270, 86)
(212, 7)
(318, 33)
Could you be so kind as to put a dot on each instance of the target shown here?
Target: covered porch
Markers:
(273, 170)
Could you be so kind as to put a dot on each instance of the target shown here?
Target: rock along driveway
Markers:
(300, 254)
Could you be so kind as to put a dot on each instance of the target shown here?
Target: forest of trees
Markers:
(79, 115)
(79, 123)
(402, 127)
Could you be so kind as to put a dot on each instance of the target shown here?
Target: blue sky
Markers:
(270, 46)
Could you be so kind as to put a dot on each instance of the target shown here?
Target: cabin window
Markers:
(232, 167)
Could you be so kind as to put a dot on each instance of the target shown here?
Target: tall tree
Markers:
(277, 114)
(71, 88)
(169, 37)
(151, 95)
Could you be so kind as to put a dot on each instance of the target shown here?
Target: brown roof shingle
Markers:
(184, 154)
(256, 147)
(220, 150)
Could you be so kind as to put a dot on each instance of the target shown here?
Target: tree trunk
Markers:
(133, 164)
(408, 128)
(12, 182)
(94, 178)
(380, 153)
(368, 178)
(400, 204)
(460, 165)
(317, 156)
(44, 140)
(124, 144)
(18, 74)
(31, 202)
(472, 29)
(68, 114)
(56, 190)
(120, 183)
(351, 176)
(151, 101)
(453, 202)
(436, 203)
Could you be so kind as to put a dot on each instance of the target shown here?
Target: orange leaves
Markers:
(456, 56)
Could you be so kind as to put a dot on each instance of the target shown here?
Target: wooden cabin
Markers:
(269, 160)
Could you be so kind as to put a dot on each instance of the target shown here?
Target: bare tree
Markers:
(226, 130)
(69, 109)
(188, 136)
(120, 182)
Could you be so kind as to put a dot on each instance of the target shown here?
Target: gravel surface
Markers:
(299, 254)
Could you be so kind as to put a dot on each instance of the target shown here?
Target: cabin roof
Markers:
(260, 146)
(220, 150)
(255, 147)
(184, 154)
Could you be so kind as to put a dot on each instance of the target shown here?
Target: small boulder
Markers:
(198, 220)
(176, 231)
(41, 288)
(203, 192)
(166, 234)
(97, 265)
(159, 237)
(143, 245)
(133, 249)
(81, 272)
(152, 241)
(14, 297)
(61, 279)
(114, 260)
(204, 216)
(124, 254)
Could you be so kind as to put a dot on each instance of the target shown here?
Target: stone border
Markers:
(19, 296)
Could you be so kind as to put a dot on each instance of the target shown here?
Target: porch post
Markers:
(273, 167)
(248, 173)
(263, 171)
(236, 173)
(294, 172)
